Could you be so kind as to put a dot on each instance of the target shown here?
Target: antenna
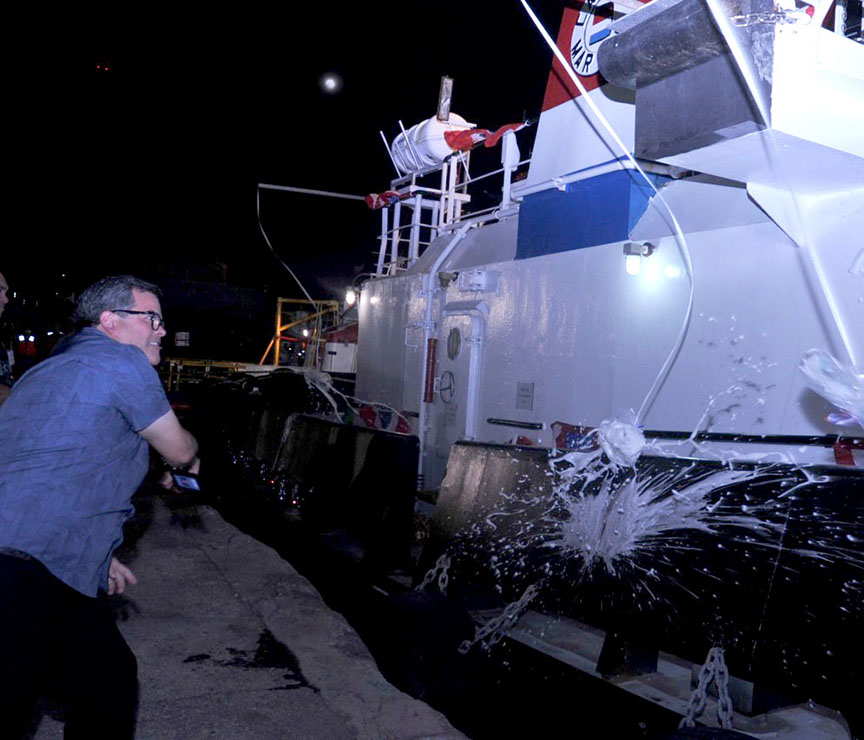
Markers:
(445, 96)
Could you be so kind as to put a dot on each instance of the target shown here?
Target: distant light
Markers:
(21, 338)
(31, 338)
(633, 264)
(305, 332)
(350, 297)
(49, 334)
(373, 300)
(331, 83)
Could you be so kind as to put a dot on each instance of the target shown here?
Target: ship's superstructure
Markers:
(632, 383)
(561, 307)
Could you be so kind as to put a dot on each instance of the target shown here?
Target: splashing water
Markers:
(619, 520)
(836, 383)
(323, 383)
(622, 442)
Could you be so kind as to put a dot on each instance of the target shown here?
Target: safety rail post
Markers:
(416, 222)
(382, 250)
(278, 333)
(433, 234)
(509, 161)
(396, 237)
(442, 212)
(452, 180)
(464, 160)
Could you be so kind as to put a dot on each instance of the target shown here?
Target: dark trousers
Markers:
(56, 641)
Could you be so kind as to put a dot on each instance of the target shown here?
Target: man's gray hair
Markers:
(110, 293)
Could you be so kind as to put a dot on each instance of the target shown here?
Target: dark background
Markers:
(152, 166)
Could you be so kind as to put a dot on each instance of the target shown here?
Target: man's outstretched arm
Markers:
(168, 437)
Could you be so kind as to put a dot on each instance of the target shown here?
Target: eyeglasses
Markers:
(156, 321)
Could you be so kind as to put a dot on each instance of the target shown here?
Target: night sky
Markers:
(198, 108)
(153, 165)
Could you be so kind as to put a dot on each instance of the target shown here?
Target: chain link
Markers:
(724, 698)
(444, 577)
(714, 669)
(439, 570)
(495, 628)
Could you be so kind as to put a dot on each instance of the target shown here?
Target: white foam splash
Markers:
(837, 383)
(620, 519)
(323, 383)
(622, 442)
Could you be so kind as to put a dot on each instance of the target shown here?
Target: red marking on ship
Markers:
(843, 450)
(574, 42)
(574, 437)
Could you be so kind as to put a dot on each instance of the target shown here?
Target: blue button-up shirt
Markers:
(71, 456)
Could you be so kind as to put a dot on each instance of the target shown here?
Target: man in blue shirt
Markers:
(5, 367)
(75, 434)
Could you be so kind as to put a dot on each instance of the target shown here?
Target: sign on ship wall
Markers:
(582, 29)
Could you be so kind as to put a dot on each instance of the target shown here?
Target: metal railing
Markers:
(185, 372)
(437, 209)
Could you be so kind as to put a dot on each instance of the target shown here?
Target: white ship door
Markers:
(458, 376)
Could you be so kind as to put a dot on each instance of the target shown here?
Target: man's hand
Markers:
(4, 392)
(118, 576)
(167, 479)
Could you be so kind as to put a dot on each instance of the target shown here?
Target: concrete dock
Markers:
(233, 643)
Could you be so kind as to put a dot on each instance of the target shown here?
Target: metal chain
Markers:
(497, 626)
(714, 669)
(724, 698)
(440, 571)
(443, 576)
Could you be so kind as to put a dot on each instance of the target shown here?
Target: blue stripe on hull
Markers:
(598, 210)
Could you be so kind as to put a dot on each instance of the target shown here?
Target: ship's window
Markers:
(454, 343)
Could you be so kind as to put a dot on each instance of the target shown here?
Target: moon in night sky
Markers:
(331, 83)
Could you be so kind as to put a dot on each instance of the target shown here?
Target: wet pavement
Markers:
(232, 642)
